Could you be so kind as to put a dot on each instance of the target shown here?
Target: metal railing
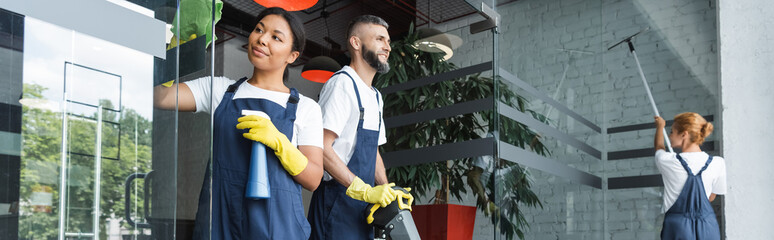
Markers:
(486, 146)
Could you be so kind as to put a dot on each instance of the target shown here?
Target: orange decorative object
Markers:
(320, 76)
(294, 5)
(444, 221)
(320, 69)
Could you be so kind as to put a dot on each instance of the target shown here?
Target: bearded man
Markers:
(353, 130)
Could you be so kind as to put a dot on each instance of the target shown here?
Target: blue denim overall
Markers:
(691, 216)
(332, 213)
(233, 215)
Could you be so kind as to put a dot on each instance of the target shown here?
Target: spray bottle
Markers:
(258, 176)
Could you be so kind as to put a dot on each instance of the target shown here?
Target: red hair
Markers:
(697, 127)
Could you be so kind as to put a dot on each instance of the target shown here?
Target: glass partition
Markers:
(571, 150)
(548, 54)
(676, 50)
(438, 106)
(527, 160)
(95, 159)
(563, 57)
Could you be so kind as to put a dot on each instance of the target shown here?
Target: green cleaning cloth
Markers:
(195, 19)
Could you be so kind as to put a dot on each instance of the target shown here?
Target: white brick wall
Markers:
(679, 59)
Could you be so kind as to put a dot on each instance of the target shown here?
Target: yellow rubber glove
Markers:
(370, 218)
(174, 42)
(491, 209)
(263, 130)
(399, 197)
(382, 194)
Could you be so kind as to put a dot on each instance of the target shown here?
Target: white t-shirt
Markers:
(307, 128)
(674, 175)
(341, 114)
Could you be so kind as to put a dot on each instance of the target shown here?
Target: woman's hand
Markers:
(658, 140)
(263, 130)
(660, 123)
(303, 163)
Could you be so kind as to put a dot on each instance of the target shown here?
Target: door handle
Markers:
(127, 199)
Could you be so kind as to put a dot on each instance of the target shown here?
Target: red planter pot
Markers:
(444, 221)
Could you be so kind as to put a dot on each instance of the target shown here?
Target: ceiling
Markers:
(238, 15)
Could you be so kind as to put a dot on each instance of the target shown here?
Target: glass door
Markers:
(95, 159)
(91, 136)
(86, 130)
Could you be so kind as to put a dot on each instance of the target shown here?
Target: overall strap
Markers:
(709, 160)
(380, 110)
(685, 165)
(290, 107)
(233, 87)
(357, 94)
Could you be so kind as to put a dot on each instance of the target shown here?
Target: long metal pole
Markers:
(650, 96)
(63, 160)
(97, 173)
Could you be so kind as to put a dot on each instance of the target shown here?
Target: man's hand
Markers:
(382, 194)
(400, 195)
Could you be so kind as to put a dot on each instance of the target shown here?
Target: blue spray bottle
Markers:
(258, 176)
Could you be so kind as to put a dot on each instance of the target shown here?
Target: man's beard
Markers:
(373, 60)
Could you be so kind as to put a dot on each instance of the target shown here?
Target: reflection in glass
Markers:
(87, 109)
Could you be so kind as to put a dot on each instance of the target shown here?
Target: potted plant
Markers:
(512, 191)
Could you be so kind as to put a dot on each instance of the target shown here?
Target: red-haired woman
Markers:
(692, 178)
